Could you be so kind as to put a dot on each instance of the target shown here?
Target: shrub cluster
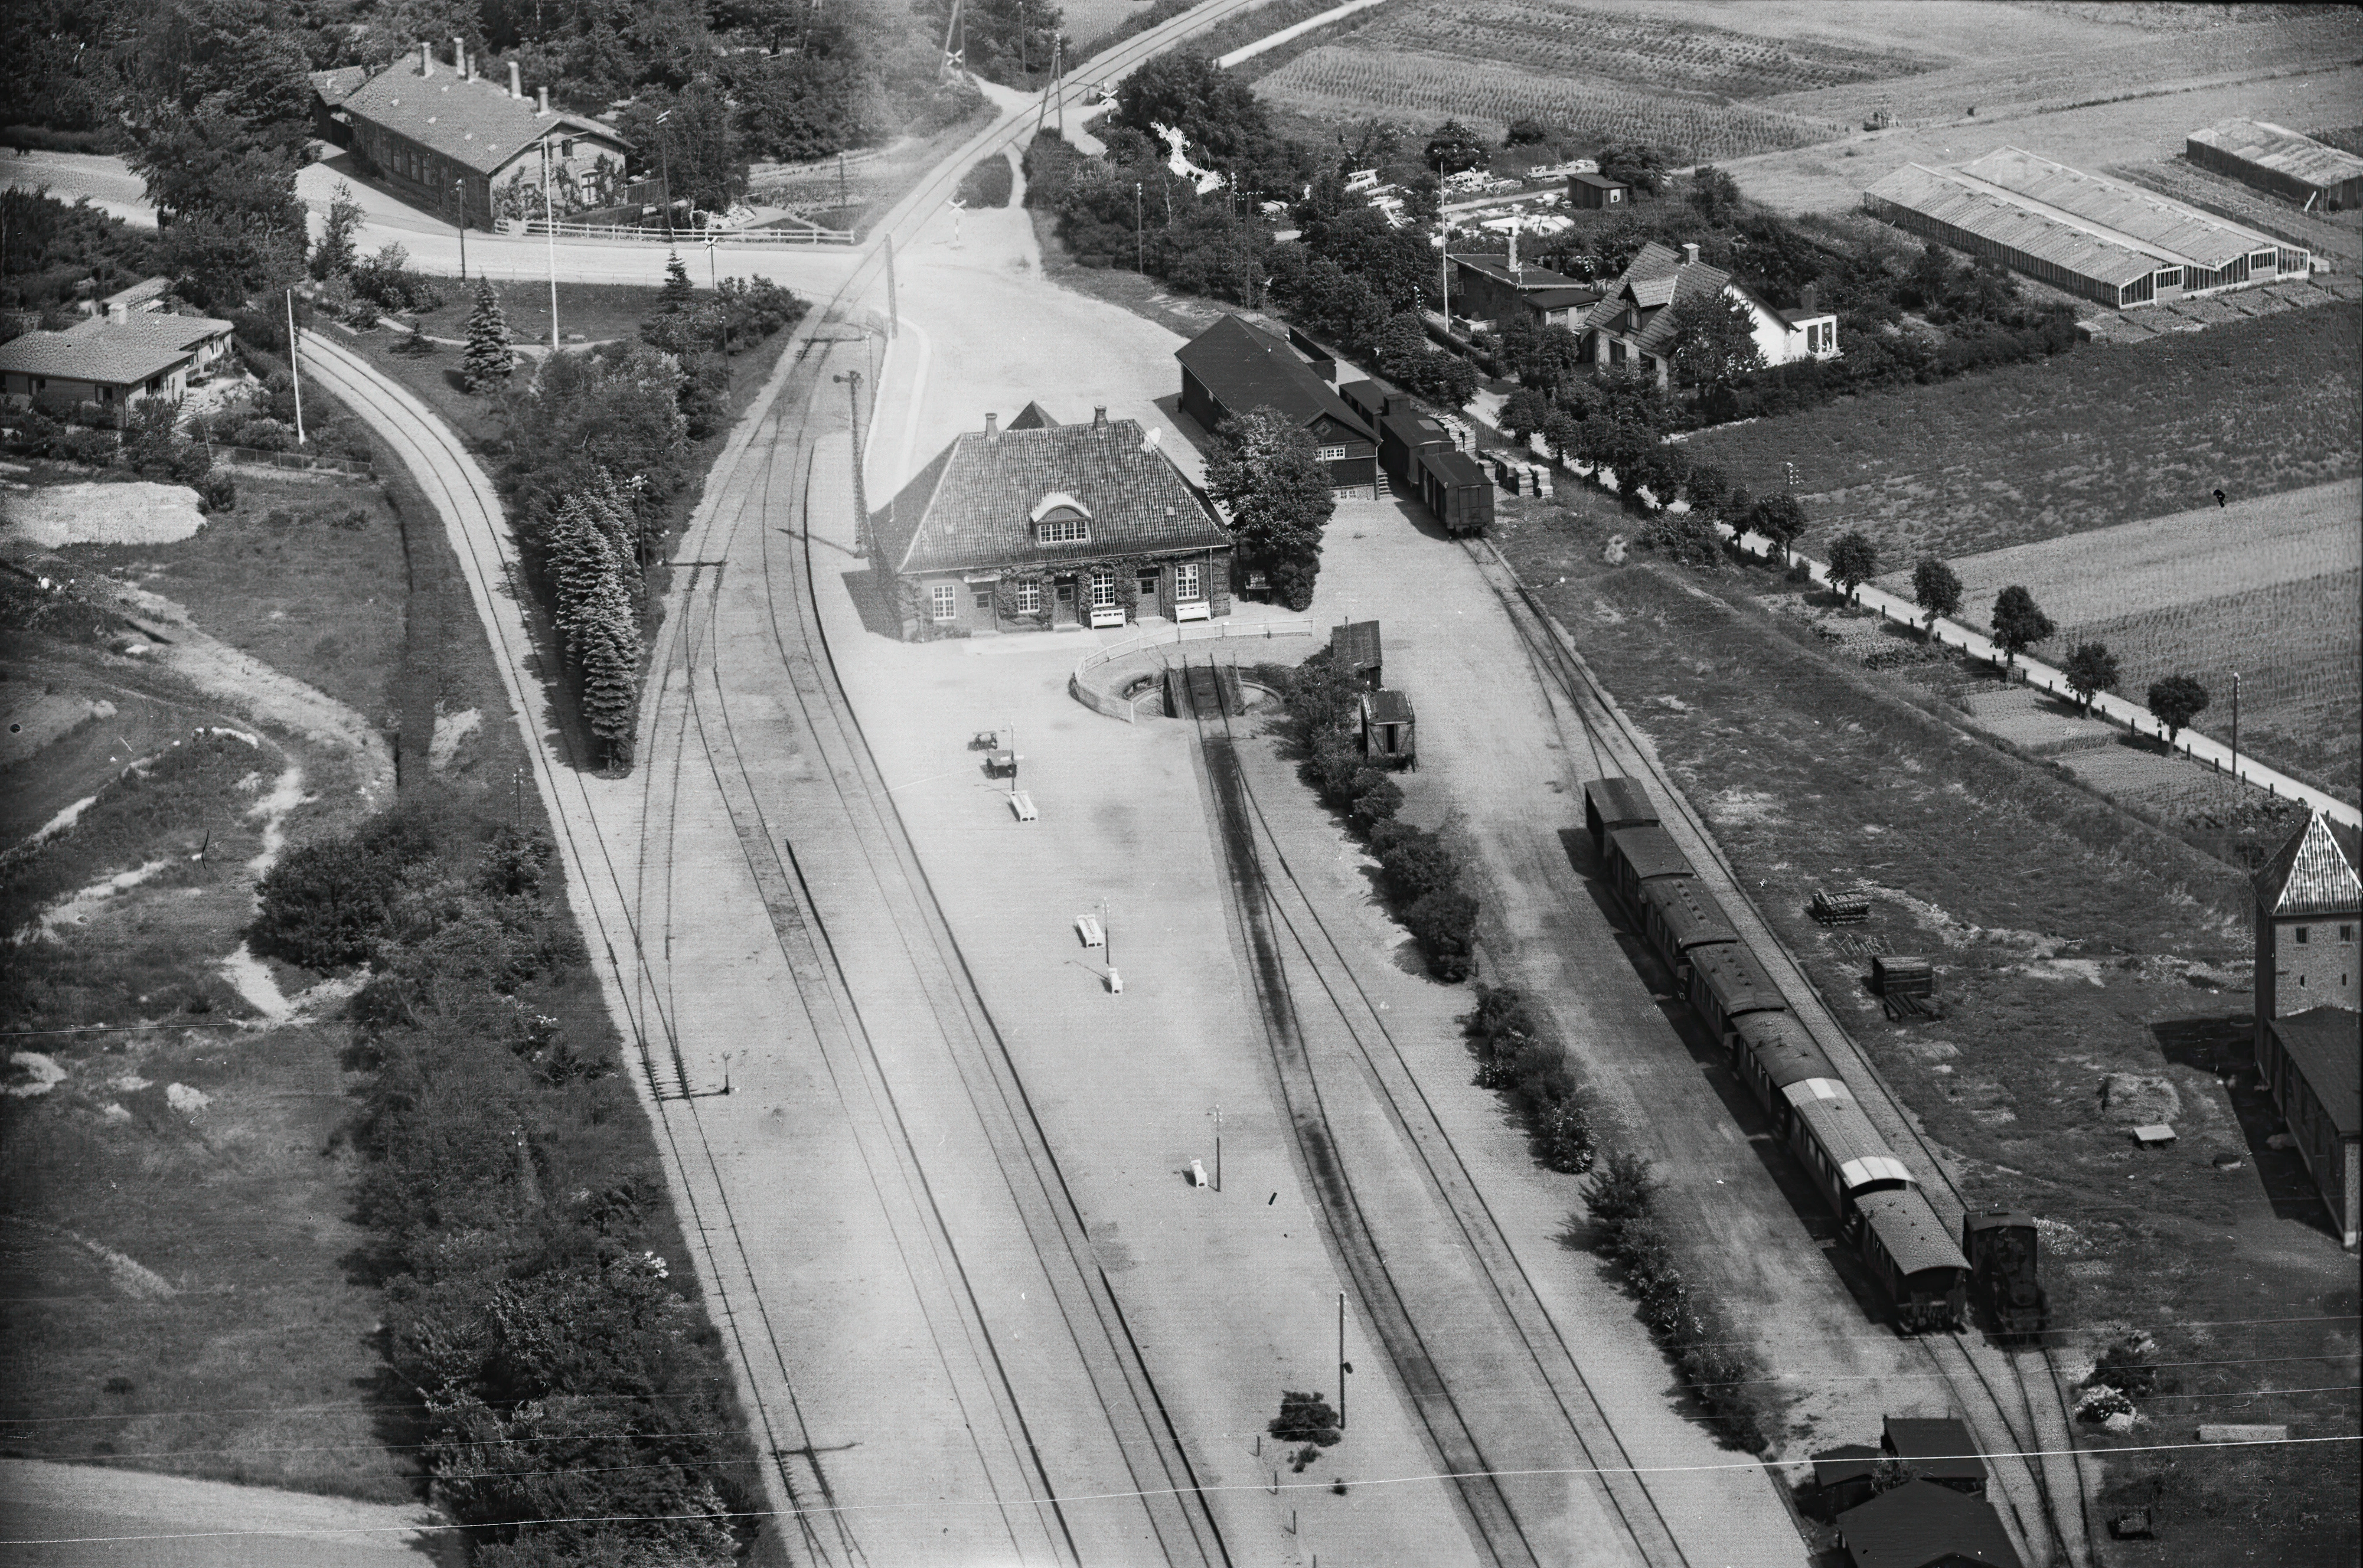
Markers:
(388, 281)
(1422, 874)
(1718, 1366)
(552, 1366)
(1517, 1059)
(988, 183)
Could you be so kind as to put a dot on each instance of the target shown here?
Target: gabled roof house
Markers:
(1049, 527)
(1634, 323)
(122, 357)
(1234, 367)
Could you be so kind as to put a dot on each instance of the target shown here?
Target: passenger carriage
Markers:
(1773, 1052)
(1616, 804)
(1840, 1149)
(1640, 854)
(1726, 984)
(1680, 916)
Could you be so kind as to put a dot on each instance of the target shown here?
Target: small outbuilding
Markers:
(1595, 190)
(1390, 737)
(1354, 649)
(1842, 1475)
(1922, 1525)
(1938, 1449)
(2274, 157)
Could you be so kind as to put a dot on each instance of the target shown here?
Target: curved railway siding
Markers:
(1330, 1032)
(2033, 1488)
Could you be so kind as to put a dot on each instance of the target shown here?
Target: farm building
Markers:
(2106, 241)
(452, 141)
(2309, 1029)
(2280, 160)
(1634, 323)
(1923, 1525)
(1234, 367)
(1048, 527)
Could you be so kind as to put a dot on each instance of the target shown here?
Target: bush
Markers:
(988, 183)
(1445, 925)
(1414, 861)
(216, 492)
(97, 447)
(265, 435)
(327, 903)
(1304, 1417)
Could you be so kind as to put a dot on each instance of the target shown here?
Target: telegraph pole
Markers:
(1344, 1366)
(550, 216)
(295, 380)
(1218, 1148)
(2235, 725)
(1139, 235)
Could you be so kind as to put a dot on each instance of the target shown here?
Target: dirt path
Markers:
(65, 1516)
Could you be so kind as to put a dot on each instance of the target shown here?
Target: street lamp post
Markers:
(714, 278)
(1139, 235)
(549, 221)
(460, 199)
(664, 169)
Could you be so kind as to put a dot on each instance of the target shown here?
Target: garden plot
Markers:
(2136, 568)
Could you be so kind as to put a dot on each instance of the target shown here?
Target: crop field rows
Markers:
(2298, 651)
(1348, 82)
(2056, 80)
(1655, 55)
(2167, 785)
(2186, 182)
(2099, 437)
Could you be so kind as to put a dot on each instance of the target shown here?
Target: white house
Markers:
(1632, 325)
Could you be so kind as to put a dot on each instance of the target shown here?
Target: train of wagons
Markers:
(1884, 1215)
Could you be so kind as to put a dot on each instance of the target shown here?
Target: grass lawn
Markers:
(292, 576)
(2101, 436)
(598, 311)
(2076, 949)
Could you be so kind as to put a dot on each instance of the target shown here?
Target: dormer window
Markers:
(1060, 518)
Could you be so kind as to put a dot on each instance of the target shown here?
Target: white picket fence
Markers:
(632, 235)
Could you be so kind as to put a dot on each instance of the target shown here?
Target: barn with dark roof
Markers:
(1235, 368)
(1049, 527)
(2309, 973)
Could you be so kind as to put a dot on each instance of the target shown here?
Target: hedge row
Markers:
(1421, 873)
(1719, 1366)
(549, 1366)
(1516, 1058)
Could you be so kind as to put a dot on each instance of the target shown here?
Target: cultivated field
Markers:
(2299, 651)
(2095, 437)
(2338, 237)
(2037, 81)
(2140, 567)
(1343, 82)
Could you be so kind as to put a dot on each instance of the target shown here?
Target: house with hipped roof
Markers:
(2309, 1038)
(122, 357)
(1049, 527)
(452, 141)
(1634, 323)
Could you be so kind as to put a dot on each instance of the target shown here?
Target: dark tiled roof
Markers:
(472, 123)
(1844, 1463)
(2326, 1045)
(335, 86)
(2313, 872)
(1598, 181)
(1033, 416)
(1939, 1447)
(1246, 368)
(973, 507)
(1497, 267)
(1562, 299)
(1919, 1523)
(1657, 280)
(121, 353)
(1386, 707)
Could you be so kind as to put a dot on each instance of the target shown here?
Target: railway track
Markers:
(1328, 1039)
(1977, 1372)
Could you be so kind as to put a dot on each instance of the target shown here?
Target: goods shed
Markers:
(2096, 237)
(2273, 158)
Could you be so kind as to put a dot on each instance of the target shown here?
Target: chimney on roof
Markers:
(459, 55)
(545, 109)
(514, 90)
(1690, 255)
(426, 58)
(1809, 300)
(992, 426)
(1513, 252)
(1099, 416)
(119, 313)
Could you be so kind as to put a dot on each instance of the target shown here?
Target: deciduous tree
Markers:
(2175, 700)
(1713, 340)
(1454, 148)
(1780, 519)
(1935, 589)
(1854, 560)
(2090, 669)
(1268, 478)
(2018, 624)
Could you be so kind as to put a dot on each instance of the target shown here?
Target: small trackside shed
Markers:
(1354, 649)
(2115, 243)
(1615, 803)
(1923, 1525)
(1936, 1448)
(1390, 734)
(2273, 158)
(1637, 855)
(1597, 191)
